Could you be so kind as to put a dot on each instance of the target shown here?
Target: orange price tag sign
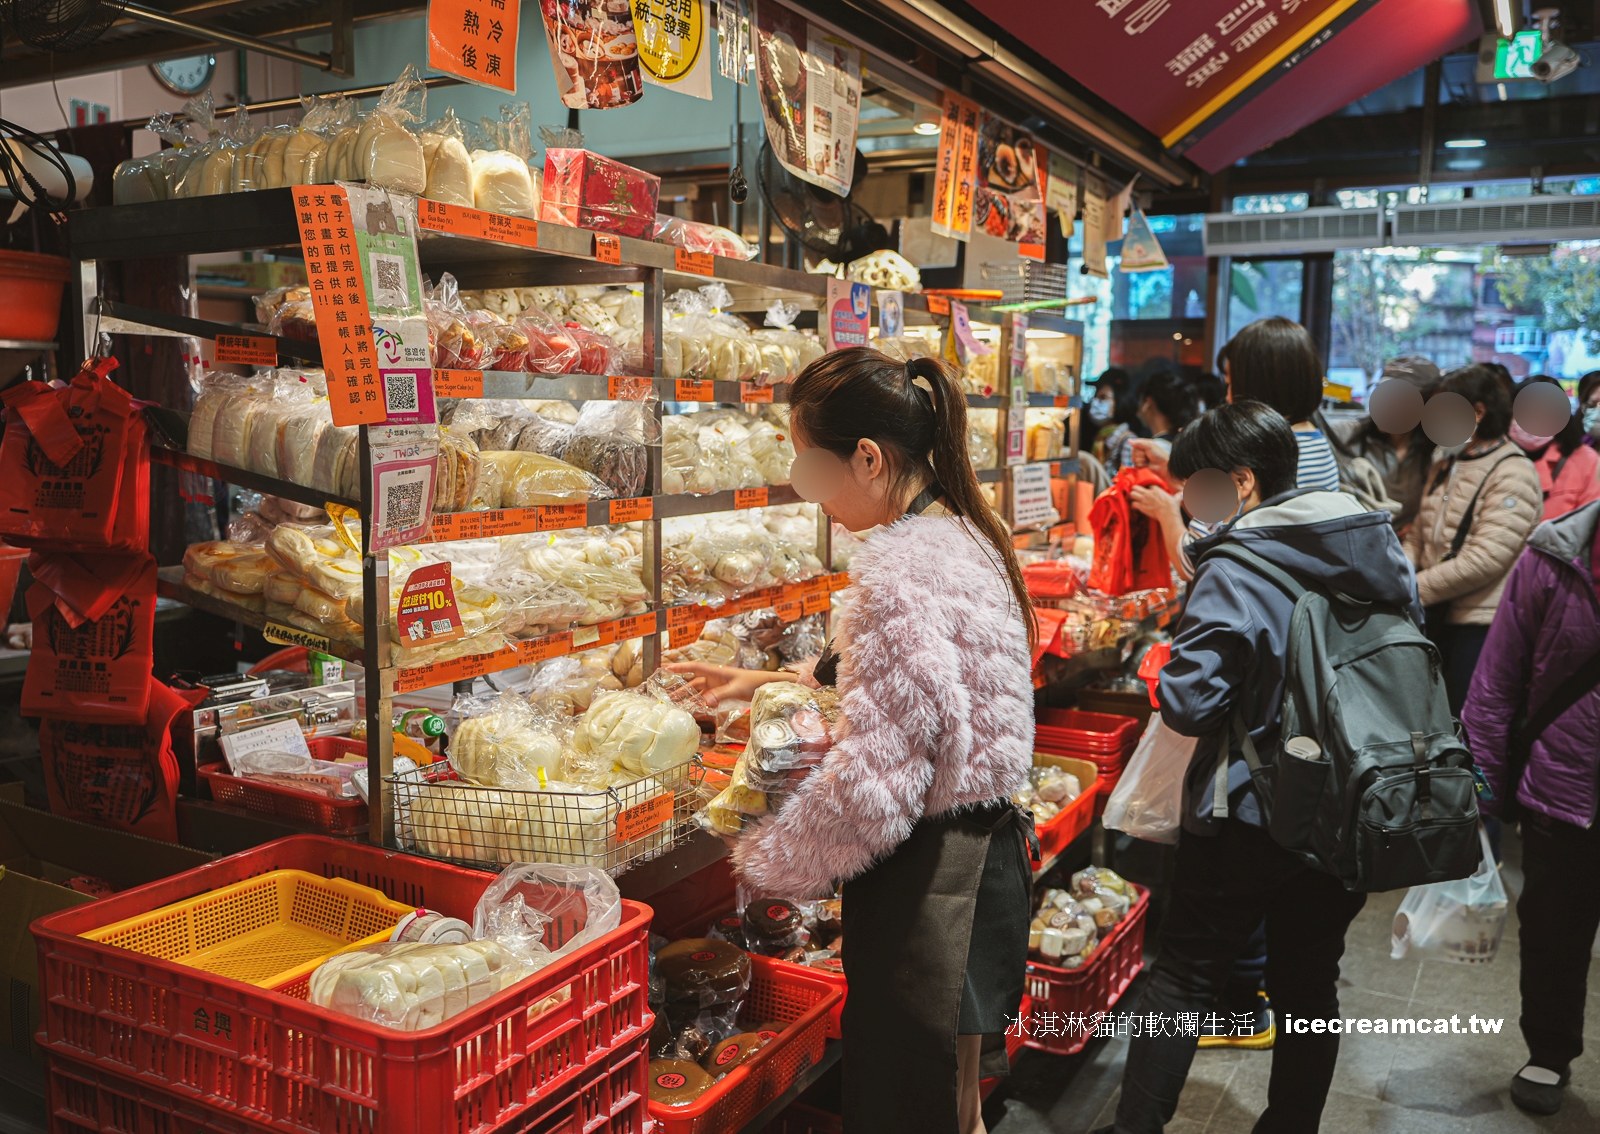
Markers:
(607, 248)
(442, 673)
(427, 611)
(1062, 401)
(760, 600)
(1031, 252)
(838, 581)
(939, 304)
(521, 231)
(456, 220)
(694, 390)
(684, 623)
(639, 820)
(627, 388)
(474, 40)
(339, 298)
(750, 498)
(633, 626)
(448, 526)
(787, 609)
(546, 647)
(814, 603)
(458, 383)
(633, 508)
(509, 521)
(695, 263)
(751, 392)
(555, 517)
(248, 350)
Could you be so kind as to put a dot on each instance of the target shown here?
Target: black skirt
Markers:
(937, 939)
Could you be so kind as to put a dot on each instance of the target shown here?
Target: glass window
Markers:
(1272, 203)
(1262, 288)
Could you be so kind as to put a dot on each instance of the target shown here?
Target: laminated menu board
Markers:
(1008, 198)
(810, 96)
(595, 52)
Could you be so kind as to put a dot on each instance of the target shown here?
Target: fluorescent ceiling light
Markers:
(926, 128)
(1465, 144)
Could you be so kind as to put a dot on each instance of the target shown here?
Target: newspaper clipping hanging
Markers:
(810, 96)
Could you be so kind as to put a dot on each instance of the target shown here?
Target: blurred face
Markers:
(856, 492)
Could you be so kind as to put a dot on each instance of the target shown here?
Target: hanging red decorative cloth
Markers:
(1129, 552)
(74, 467)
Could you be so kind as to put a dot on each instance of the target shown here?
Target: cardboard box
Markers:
(39, 852)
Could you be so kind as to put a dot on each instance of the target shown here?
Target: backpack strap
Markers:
(1260, 566)
(1578, 683)
(1464, 528)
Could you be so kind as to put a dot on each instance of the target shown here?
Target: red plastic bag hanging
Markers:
(119, 775)
(97, 670)
(65, 464)
(1129, 552)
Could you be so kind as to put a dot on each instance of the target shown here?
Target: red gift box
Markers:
(586, 190)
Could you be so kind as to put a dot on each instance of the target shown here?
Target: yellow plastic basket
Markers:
(265, 930)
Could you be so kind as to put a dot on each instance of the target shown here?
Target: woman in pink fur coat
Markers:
(911, 808)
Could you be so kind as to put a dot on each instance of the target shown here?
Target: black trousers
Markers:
(1559, 912)
(1222, 887)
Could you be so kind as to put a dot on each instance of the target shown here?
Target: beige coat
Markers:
(1510, 507)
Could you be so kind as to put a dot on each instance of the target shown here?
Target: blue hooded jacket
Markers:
(1229, 648)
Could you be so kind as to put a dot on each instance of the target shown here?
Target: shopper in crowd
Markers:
(1211, 390)
(1547, 629)
(1503, 375)
(1401, 459)
(1567, 467)
(1589, 407)
(1477, 512)
(1166, 405)
(912, 806)
(1228, 654)
(1114, 416)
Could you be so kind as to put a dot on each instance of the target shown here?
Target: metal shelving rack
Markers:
(551, 255)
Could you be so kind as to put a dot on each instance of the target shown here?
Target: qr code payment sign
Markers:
(400, 393)
(389, 281)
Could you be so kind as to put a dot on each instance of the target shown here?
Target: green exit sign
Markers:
(1514, 58)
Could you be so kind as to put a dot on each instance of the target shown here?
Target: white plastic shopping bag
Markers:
(1147, 802)
(1460, 921)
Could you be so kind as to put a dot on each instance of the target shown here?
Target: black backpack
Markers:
(1388, 801)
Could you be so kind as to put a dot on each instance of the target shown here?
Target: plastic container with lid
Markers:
(30, 295)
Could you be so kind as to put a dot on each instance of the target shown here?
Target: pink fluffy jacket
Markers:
(938, 708)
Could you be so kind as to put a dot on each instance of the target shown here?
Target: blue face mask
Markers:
(1099, 411)
(1591, 418)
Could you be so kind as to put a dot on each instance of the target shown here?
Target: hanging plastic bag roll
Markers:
(1147, 802)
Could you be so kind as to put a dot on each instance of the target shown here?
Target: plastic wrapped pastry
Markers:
(523, 480)
(634, 732)
(448, 163)
(504, 746)
(502, 183)
(388, 154)
(413, 986)
(240, 568)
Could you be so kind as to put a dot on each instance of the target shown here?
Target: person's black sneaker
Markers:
(1538, 1090)
(1256, 1035)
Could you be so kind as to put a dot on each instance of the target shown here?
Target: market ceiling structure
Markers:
(1171, 92)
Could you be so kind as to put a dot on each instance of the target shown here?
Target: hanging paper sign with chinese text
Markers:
(475, 40)
(956, 168)
(675, 44)
(339, 298)
(1061, 193)
(595, 52)
(810, 96)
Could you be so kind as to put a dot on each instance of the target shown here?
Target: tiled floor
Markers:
(1400, 1084)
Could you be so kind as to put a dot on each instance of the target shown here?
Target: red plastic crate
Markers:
(268, 1059)
(1071, 996)
(1092, 736)
(82, 1099)
(1073, 819)
(788, 994)
(336, 816)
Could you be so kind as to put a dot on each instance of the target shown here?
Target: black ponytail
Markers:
(917, 414)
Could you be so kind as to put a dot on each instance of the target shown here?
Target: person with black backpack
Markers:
(1532, 716)
(1327, 764)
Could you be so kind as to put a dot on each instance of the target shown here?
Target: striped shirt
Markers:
(1317, 469)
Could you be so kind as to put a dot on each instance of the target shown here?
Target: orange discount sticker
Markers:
(607, 248)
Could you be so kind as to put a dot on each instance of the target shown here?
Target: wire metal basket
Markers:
(440, 815)
(1024, 280)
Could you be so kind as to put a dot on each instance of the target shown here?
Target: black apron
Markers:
(937, 946)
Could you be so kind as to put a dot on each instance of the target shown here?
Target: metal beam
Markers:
(210, 34)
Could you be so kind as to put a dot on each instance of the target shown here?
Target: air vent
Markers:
(1525, 220)
(1311, 230)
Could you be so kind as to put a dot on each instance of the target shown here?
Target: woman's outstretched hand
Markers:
(718, 683)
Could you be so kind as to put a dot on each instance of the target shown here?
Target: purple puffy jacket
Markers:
(1546, 626)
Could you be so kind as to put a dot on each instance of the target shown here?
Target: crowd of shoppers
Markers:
(1493, 547)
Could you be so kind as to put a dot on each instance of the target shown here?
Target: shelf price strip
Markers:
(459, 220)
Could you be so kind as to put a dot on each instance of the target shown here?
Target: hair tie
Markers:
(917, 379)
